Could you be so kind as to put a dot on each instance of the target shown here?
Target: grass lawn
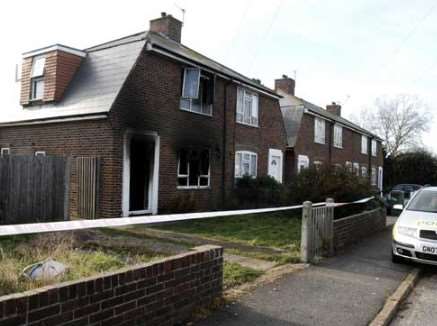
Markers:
(277, 230)
(235, 274)
(79, 253)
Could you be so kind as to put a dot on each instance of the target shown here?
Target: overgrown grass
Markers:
(81, 259)
(278, 230)
(235, 274)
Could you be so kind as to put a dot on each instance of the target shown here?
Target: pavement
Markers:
(348, 289)
(419, 308)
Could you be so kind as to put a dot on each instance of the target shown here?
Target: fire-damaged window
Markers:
(247, 107)
(37, 78)
(193, 168)
(245, 164)
(197, 92)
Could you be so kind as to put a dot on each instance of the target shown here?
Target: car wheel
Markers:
(396, 259)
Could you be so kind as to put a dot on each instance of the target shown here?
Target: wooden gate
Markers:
(33, 189)
(317, 231)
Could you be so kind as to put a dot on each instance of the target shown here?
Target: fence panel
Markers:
(317, 231)
(87, 173)
(32, 188)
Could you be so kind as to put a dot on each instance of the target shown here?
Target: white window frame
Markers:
(374, 147)
(198, 186)
(319, 130)
(252, 113)
(33, 83)
(373, 176)
(38, 66)
(364, 171)
(338, 136)
(364, 144)
(303, 162)
(356, 169)
(5, 151)
(238, 165)
(208, 107)
(349, 166)
(276, 152)
(40, 153)
(318, 165)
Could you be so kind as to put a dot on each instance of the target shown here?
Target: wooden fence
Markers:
(33, 188)
(317, 231)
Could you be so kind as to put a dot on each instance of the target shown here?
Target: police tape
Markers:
(31, 228)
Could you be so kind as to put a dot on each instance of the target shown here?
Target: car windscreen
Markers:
(425, 201)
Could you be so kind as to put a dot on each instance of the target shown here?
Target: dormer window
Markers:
(37, 78)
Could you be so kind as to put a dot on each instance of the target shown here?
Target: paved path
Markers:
(420, 307)
(345, 290)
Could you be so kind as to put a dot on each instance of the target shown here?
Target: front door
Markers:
(275, 164)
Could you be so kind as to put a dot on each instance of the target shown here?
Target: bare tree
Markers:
(400, 121)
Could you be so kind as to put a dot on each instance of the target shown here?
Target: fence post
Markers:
(305, 246)
(330, 225)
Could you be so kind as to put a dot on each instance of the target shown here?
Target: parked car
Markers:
(400, 195)
(415, 232)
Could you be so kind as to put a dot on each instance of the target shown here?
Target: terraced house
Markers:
(317, 136)
(150, 125)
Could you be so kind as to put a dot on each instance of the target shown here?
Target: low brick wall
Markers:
(353, 228)
(160, 293)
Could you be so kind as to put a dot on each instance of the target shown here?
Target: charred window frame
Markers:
(197, 91)
(194, 169)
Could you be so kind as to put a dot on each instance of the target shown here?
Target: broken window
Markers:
(247, 107)
(246, 164)
(194, 168)
(197, 92)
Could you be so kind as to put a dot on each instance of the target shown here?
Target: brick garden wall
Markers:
(353, 228)
(161, 293)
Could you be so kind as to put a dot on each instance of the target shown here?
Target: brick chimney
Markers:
(334, 108)
(285, 84)
(47, 72)
(168, 26)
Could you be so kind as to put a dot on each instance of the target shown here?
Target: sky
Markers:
(345, 51)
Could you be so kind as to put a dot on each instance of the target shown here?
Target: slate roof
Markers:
(102, 73)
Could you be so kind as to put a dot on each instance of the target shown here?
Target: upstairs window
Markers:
(374, 147)
(246, 164)
(194, 169)
(338, 136)
(5, 151)
(364, 145)
(319, 131)
(197, 92)
(37, 78)
(247, 107)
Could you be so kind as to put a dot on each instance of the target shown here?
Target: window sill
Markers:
(247, 124)
(338, 147)
(319, 142)
(193, 188)
(198, 113)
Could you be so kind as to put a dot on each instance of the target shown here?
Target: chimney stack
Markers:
(285, 84)
(167, 25)
(334, 108)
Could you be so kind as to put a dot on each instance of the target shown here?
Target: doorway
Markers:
(140, 175)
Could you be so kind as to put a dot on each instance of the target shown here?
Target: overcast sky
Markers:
(345, 51)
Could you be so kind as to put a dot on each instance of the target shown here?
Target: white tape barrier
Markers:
(30, 228)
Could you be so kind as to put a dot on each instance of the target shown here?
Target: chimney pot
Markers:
(285, 84)
(167, 25)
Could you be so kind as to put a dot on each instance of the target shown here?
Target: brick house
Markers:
(317, 136)
(171, 128)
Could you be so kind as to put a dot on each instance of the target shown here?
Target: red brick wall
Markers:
(161, 293)
(72, 139)
(351, 150)
(354, 228)
(150, 102)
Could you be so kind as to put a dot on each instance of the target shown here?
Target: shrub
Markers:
(317, 185)
(258, 192)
